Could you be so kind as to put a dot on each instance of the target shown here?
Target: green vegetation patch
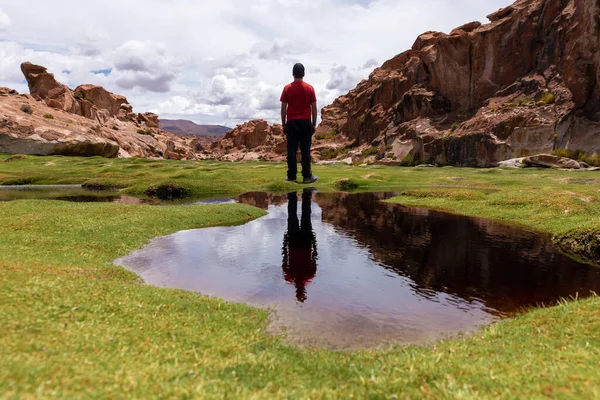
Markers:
(330, 134)
(332, 153)
(578, 155)
(583, 243)
(371, 151)
(17, 181)
(346, 184)
(448, 193)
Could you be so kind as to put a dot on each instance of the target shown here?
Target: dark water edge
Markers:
(80, 194)
(346, 271)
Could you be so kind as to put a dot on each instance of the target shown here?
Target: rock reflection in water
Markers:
(357, 272)
(504, 266)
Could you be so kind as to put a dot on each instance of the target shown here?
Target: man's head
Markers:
(298, 71)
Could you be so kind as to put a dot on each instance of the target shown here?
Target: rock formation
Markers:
(251, 141)
(526, 83)
(87, 121)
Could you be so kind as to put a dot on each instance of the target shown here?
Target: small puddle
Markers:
(347, 271)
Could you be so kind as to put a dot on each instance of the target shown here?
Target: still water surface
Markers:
(349, 271)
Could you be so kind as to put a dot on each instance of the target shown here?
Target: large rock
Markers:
(252, 140)
(100, 98)
(44, 141)
(43, 86)
(549, 161)
(528, 82)
(250, 135)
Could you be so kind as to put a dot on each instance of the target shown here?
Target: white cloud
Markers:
(218, 61)
(4, 21)
(146, 65)
(343, 79)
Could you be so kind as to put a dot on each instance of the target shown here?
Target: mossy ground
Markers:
(73, 325)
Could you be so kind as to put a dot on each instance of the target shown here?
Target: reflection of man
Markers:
(299, 246)
(299, 120)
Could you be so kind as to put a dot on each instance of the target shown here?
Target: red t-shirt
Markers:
(299, 95)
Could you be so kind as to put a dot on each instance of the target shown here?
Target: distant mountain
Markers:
(183, 127)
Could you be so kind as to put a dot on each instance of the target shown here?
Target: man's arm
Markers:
(284, 107)
(315, 113)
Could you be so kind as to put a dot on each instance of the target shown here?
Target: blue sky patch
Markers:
(105, 71)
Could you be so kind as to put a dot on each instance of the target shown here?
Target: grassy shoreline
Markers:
(561, 203)
(73, 325)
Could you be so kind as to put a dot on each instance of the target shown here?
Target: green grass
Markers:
(73, 325)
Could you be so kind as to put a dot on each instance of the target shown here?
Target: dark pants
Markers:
(299, 246)
(299, 133)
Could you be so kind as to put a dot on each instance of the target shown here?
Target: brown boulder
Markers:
(101, 98)
(250, 134)
(150, 119)
(43, 86)
(19, 139)
(4, 91)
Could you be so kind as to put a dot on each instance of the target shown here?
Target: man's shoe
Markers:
(288, 179)
(312, 179)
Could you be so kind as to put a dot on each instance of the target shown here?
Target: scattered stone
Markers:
(26, 108)
(512, 163)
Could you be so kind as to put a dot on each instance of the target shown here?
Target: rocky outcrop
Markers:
(43, 140)
(97, 96)
(251, 141)
(526, 83)
(87, 121)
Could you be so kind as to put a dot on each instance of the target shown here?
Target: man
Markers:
(299, 120)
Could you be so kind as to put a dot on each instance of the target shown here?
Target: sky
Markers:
(219, 61)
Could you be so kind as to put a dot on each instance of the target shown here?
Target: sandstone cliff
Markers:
(526, 83)
(87, 121)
